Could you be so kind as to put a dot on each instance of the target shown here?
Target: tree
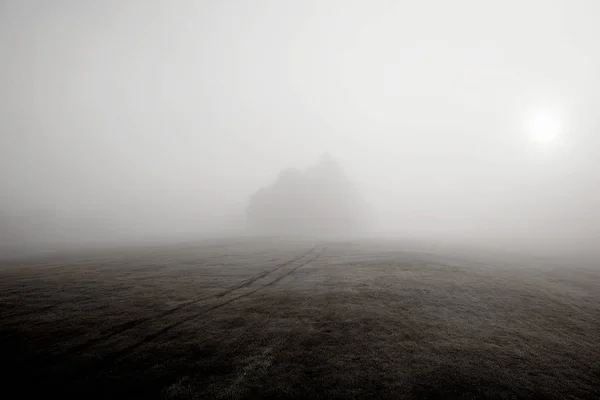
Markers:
(319, 201)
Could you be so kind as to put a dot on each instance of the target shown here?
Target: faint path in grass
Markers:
(122, 328)
(110, 359)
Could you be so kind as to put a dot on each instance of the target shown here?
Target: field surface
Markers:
(241, 319)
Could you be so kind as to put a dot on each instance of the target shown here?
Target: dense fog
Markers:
(128, 121)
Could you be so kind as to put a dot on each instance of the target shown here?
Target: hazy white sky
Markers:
(170, 112)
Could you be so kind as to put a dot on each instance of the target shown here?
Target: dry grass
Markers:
(283, 319)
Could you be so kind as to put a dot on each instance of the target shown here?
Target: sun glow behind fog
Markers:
(544, 126)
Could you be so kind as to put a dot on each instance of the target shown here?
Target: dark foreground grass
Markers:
(266, 319)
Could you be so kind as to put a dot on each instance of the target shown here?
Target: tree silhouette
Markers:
(319, 201)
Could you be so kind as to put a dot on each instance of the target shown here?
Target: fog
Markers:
(127, 121)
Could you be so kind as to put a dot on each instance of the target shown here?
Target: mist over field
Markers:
(132, 121)
(310, 199)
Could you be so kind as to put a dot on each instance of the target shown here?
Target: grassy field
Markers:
(298, 319)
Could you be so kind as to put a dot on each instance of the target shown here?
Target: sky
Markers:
(129, 117)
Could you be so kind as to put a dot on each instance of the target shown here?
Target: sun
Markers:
(544, 126)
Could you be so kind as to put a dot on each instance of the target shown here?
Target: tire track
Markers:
(113, 358)
(124, 327)
(9, 314)
(261, 275)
